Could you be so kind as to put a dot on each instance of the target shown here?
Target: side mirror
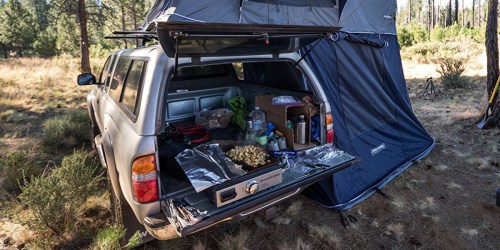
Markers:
(86, 79)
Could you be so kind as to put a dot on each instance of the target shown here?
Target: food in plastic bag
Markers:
(211, 119)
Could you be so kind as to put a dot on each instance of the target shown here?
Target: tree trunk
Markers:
(448, 16)
(433, 15)
(473, 14)
(492, 56)
(456, 11)
(5, 54)
(84, 38)
(134, 18)
(479, 13)
(463, 14)
(438, 15)
(409, 11)
(429, 16)
(124, 27)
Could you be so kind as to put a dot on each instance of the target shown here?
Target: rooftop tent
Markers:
(369, 16)
(285, 12)
(360, 70)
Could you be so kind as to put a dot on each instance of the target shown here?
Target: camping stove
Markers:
(247, 185)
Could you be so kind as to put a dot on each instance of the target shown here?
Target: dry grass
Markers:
(396, 229)
(31, 90)
(295, 208)
(427, 203)
(480, 163)
(326, 234)
(37, 85)
(298, 244)
(236, 242)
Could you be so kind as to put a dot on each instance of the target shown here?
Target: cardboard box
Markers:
(279, 115)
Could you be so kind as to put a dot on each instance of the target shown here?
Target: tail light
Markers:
(329, 128)
(144, 179)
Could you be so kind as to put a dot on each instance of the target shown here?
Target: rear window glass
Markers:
(282, 75)
(206, 71)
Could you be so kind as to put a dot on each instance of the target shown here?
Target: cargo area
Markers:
(212, 162)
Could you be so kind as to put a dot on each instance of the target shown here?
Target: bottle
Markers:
(272, 146)
(301, 130)
(258, 120)
(282, 143)
(249, 133)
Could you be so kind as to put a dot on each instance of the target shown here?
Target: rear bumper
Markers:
(159, 227)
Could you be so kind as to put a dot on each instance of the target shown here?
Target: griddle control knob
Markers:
(252, 187)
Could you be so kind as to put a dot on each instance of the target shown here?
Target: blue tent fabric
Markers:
(373, 117)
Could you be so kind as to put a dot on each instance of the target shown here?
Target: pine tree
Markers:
(492, 57)
(19, 29)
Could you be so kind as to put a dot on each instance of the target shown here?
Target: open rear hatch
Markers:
(191, 208)
(219, 39)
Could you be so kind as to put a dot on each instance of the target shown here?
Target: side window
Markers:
(105, 72)
(105, 76)
(115, 88)
(133, 83)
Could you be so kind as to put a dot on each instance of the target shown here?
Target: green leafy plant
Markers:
(451, 70)
(109, 238)
(13, 168)
(412, 34)
(55, 199)
(69, 129)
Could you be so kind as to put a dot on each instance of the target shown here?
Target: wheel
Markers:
(123, 215)
(95, 132)
(116, 209)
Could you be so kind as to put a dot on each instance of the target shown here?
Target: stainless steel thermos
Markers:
(301, 130)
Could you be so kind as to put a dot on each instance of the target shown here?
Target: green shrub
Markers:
(55, 199)
(451, 69)
(109, 238)
(45, 44)
(456, 32)
(69, 129)
(13, 168)
(412, 34)
(405, 38)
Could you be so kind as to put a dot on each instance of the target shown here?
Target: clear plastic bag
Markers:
(286, 100)
(211, 119)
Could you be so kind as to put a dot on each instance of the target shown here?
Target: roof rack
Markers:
(146, 36)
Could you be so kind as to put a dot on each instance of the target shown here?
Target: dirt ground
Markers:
(445, 201)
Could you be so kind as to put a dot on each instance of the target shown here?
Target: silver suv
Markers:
(144, 95)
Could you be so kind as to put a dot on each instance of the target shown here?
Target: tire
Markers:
(123, 215)
(116, 209)
(95, 132)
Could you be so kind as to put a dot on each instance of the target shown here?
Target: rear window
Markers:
(196, 72)
(282, 75)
